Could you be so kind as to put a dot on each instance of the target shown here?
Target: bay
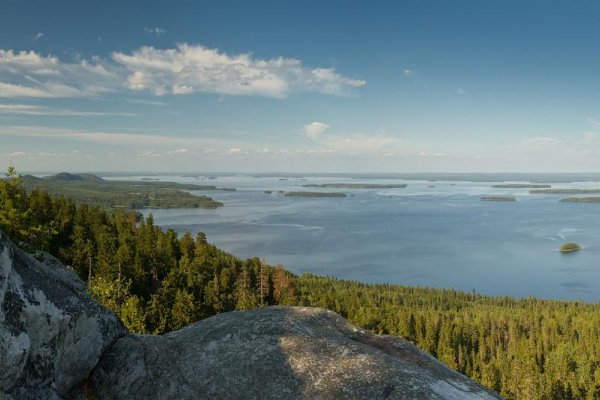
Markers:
(431, 233)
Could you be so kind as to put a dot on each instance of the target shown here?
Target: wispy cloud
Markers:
(29, 74)
(413, 76)
(91, 136)
(145, 102)
(162, 142)
(37, 36)
(594, 121)
(155, 31)
(181, 151)
(351, 143)
(25, 109)
(43, 154)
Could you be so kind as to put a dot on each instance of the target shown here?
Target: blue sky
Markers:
(309, 86)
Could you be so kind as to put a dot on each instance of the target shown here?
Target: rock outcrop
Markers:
(54, 337)
(52, 333)
(276, 353)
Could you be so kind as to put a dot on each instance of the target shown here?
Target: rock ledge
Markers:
(276, 353)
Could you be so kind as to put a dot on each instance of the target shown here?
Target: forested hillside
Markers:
(158, 282)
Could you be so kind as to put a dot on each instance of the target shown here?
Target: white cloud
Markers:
(181, 70)
(29, 74)
(38, 36)
(315, 129)
(189, 69)
(155, 31)
(409, 73)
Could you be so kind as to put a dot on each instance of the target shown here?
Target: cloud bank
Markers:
(181, 70)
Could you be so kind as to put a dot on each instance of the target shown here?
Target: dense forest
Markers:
(157, 281)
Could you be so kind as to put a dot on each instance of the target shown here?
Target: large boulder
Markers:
(52, 333)
(276, 353)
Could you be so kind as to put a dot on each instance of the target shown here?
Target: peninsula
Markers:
(91, 189)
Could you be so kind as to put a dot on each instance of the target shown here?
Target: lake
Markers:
(431, 233)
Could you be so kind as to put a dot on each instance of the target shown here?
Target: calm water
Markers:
(441, 236)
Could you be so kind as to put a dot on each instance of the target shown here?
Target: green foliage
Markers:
(156, 282)
(569, 247)
(21, 216)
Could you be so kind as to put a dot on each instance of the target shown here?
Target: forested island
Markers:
(356, 185)
(521, 186)
(157, 281)
(569, 247)
(581, 200)
(315, 194)
(564, 191)
(497, 198)
(131, 195)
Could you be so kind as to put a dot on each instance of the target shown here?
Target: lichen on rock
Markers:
(52, 333)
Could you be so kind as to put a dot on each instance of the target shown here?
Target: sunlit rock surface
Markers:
(276, 353)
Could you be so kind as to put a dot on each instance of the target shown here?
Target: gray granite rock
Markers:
(52, 333)
(276, 353)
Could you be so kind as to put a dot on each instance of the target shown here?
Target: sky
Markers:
(306, 86)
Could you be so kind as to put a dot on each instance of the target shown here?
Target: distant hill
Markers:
(67, 177)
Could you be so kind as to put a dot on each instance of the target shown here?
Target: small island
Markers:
(569, 247)
(268, 191)
(357, 185)
(580, 200)
(565, 191)
(315, 194)
(520, 186)
(497, 198)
